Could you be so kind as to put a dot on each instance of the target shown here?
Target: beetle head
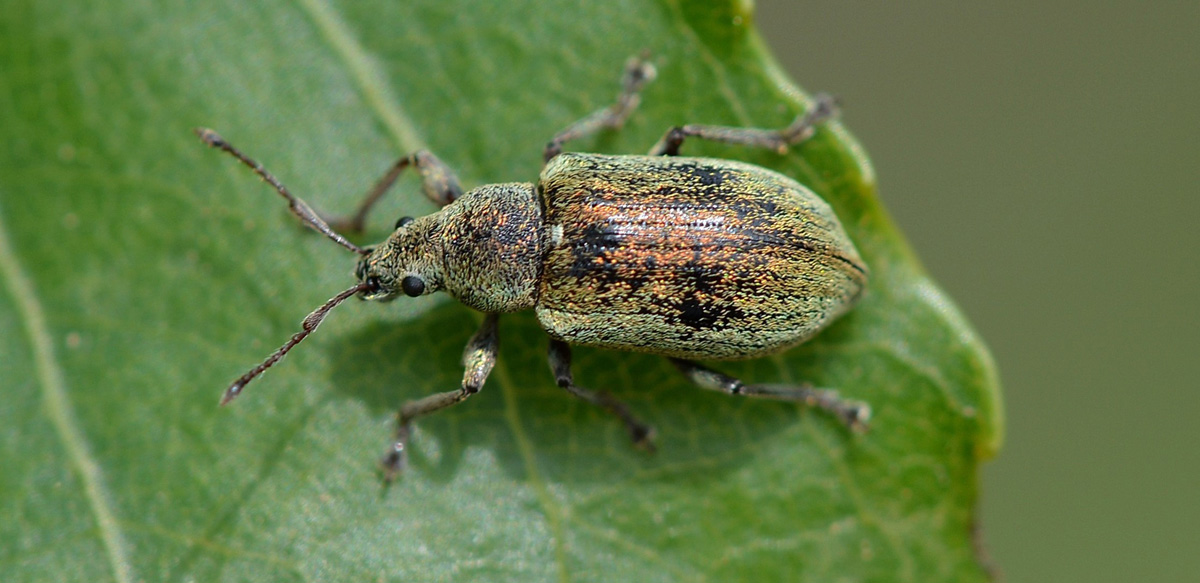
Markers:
(407, 263)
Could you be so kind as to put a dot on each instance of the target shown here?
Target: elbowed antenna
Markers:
(297, 206)
(310, 323)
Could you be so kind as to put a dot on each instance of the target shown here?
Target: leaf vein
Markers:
(58, 405)
(554, 514)
(371, 82)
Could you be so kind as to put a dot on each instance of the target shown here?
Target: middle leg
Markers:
(560, 363)
(638, 72)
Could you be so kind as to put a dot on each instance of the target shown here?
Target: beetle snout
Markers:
(378, 288)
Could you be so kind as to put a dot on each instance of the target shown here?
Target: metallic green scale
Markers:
(688, 257)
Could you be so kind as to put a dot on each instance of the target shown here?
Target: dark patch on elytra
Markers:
(590, 251)
(694, 307)
(696, 313)
(705, 175)
(701, 279)
(635, 282)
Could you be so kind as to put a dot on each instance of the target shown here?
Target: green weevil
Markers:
(689, 258)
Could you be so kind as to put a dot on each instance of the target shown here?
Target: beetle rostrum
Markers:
(688, 258)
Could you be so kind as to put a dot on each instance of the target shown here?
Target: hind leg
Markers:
(824, 107)
(854, 414)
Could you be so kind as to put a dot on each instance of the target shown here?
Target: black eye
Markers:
(403, 222)
(412, 285)
(372, 283)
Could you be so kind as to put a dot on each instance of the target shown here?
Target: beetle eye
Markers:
(373, 283)
(403, 222)
(412, 285)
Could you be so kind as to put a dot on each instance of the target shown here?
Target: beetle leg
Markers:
(560, 363)
(479, 357)
(437, 181)
(638, 72)
(824, 107)
(855, 414)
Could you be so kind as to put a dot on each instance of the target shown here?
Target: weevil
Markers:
(689, 258)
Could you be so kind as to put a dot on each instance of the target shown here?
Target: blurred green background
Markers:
(1044, 161)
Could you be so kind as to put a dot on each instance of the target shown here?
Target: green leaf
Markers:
(142, 272)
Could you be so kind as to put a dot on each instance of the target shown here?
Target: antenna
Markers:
(310, 323)
(297, 206)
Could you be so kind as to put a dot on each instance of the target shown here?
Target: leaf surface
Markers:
(142, 272)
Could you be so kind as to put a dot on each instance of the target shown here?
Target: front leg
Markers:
(438, 182)
(479, 357)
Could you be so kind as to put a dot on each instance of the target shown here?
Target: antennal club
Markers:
(310, 323)
(297, 206)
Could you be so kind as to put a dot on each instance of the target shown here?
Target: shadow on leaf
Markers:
(521, 414)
